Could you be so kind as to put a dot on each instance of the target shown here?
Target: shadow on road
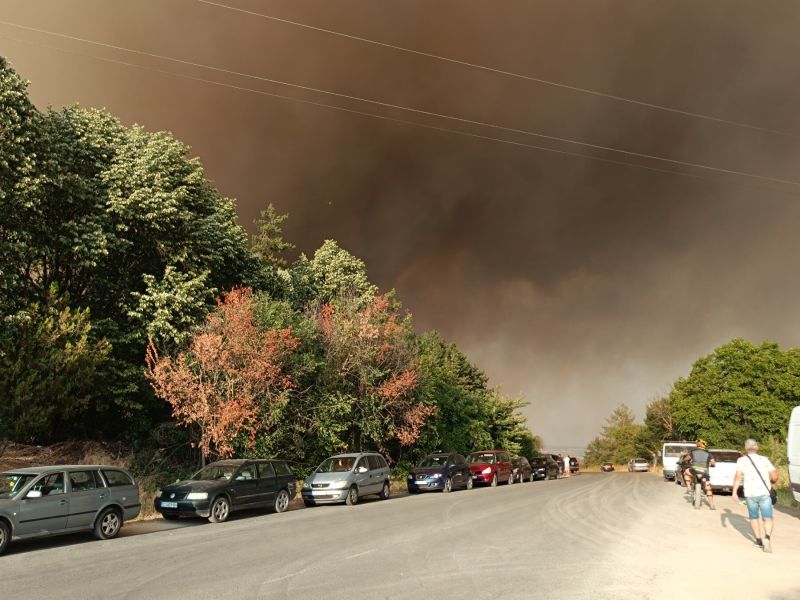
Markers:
(738, 522)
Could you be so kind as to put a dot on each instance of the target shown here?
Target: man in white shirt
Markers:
(758, 474)
(567, 471)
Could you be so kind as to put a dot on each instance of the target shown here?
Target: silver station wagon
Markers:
(44, 501)
(347, 477)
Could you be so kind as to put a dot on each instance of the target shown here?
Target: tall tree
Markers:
(268, 243)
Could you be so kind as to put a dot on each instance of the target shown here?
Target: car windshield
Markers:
(639, 461)
(213, 472)
(675, 451)
(482, 458)
(434, 460)
(536, 462)
(12, 484)
(337, 464)
(725, 455)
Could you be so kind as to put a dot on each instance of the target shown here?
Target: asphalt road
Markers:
(593, 536)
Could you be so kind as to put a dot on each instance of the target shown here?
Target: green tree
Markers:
(620, 439)
(268, 243)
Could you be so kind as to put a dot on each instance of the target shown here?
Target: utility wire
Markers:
(410, 109)
(500, 71)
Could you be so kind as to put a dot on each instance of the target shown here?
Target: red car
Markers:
(490, 467)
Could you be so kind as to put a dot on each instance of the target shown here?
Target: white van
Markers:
(670, 453)
(793, 450)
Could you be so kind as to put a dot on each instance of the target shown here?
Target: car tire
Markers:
(494, 480)
(169, 517)
(309, 503)
(470, 485)
(386, 491)
(352, 496)
(108, 524)
(448, 486)
(220, 510)
(281, 501)
(5, 536)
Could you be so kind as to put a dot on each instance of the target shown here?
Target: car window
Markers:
(117, 478)
(363, 462)
(281, 468)
(82, 481)
(51, 485)
(503, 457)
(725, 455)
(265, 471)
(247, 473)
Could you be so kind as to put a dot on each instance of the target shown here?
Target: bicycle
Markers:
(698, 488)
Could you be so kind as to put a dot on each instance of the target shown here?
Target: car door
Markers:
(463, 468)
(86, 493)
(363, 476)
(380, 472)
(45, 507)
(245, 486)
(504, 467)
(453, 472)
(267, 483)
(285, 478)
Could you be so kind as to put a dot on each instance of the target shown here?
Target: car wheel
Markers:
(281, 501)
(5, 536)
(309, 503)
(469, 482)
(494, 480)
(220, 510)
(352, 496)
(385, 491)
(108, 524)
(169, 517)
(448, 485)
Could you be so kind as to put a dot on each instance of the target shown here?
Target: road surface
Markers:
(593, 536)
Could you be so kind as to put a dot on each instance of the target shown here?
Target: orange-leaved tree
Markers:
(230, 379)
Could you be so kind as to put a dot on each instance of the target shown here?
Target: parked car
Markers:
(574, 465)
(44, 501)
(225, 486)
(724, 469)
(521, 470)
(440, 471)
(559, 460)
(346, 478)
(639, 465)
(544, 467)
(490, 467)
(607, 467)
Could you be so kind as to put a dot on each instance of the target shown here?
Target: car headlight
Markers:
(487, 470)
(197, 496)
(410, 476)
(306, 485)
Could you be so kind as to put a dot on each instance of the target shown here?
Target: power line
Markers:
(412, 110)
(497, 71)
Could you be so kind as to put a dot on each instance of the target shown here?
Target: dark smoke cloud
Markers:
(575, 283)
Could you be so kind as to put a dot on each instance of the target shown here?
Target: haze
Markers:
(579, 284)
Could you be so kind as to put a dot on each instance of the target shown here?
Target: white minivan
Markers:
(793, 451)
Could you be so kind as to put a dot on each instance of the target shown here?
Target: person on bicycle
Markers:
(702, 461)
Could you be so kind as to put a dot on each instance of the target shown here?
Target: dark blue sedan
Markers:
(442, 471)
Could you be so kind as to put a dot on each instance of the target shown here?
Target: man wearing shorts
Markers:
(758, 475)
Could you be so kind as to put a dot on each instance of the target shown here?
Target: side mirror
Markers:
(361, 470)
(34, 494)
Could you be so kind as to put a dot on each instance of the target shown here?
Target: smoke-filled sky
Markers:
(576, 283)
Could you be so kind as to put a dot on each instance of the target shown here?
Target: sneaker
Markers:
(768, 545)
(759, 544)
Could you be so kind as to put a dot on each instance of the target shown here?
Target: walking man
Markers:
(754, 470)
(567, 471)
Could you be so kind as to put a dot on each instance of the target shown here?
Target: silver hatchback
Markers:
(346, 478)
(44, 501)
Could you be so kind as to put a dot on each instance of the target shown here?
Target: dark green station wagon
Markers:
(226, 486)
(43, 501)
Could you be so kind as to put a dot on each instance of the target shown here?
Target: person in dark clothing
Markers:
(702, 461)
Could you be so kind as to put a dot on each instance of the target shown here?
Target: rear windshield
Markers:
(725, 456)
(674, 451)
(482, 458)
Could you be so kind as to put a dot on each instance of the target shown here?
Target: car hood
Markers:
(427, 470)
(201, 485)
(328, 477)
(481, 466)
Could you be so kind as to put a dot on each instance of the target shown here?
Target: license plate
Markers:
(169, 504)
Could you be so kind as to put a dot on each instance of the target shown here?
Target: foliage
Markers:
(229, 379)
(48, 366)
(620, 440)
(268, 243)
(738, 391)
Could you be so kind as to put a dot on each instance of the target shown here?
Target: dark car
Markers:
(490, 467)
(543, 467)
(522, 470)
(607, 467)
(559, 460)
(222, 487)
(441, 471)
(574, 465)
